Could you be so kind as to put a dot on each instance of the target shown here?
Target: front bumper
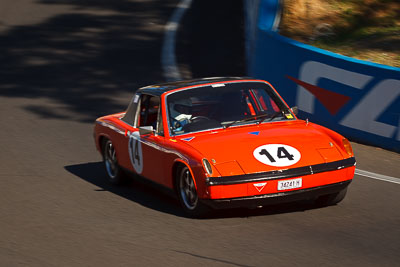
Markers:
(263, 188)
(277, 198)
(283, 174)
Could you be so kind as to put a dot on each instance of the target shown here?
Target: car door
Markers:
(146, 150)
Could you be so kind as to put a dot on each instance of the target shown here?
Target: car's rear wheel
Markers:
(331, 199)
(114, 173)
(187, 194)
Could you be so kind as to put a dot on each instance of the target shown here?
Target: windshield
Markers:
(224, 105)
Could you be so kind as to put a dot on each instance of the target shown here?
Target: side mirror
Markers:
(146, 130)
(295, 110)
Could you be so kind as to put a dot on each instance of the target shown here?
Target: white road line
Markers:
(168, 59)
(378, 176)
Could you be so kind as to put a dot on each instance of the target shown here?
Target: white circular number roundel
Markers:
(135, 152)
(277, 155)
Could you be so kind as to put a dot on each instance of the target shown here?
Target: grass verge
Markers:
(363, 29)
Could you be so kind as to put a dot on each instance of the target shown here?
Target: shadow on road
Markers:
(82, 57)
(211, 39)
(134, 190)
(151, 197)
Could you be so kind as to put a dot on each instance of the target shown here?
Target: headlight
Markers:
(207, 166)
(347, 147)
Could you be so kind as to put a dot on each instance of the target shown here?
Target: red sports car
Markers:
(224, 142)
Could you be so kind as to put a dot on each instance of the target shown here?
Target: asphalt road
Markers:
(64, 63)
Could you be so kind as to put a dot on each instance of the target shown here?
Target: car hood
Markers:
(266, 147)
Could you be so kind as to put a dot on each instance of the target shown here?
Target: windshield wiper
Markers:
(276, 114)
(254, 117)
(261, 118)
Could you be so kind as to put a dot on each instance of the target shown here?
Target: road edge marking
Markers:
(378, 176)
(168, 58)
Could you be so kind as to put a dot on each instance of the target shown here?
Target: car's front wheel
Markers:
(187, 194)
(114, 173)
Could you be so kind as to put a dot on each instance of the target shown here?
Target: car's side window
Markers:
(130, 114)
(148, 111)
(160, 126)
(264, 102)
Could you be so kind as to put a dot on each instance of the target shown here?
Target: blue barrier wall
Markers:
(358, 99)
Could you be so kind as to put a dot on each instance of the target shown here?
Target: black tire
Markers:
(114, 172)
(187, 194)
(331, 199)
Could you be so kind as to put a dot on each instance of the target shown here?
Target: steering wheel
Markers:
(176, 124)
(198, 118)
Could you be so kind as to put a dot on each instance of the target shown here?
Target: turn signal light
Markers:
(347, 147)
(207, 166)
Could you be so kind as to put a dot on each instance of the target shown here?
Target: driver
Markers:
(181, 112)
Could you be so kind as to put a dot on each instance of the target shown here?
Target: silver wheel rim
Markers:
(110, 159)
(187, 189)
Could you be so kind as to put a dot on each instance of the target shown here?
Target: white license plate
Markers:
(289, 184)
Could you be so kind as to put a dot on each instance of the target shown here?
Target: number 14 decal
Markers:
(282, 153)
(135, 152)
(277, 155)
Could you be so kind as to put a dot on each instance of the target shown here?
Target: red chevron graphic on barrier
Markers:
(332, 101)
